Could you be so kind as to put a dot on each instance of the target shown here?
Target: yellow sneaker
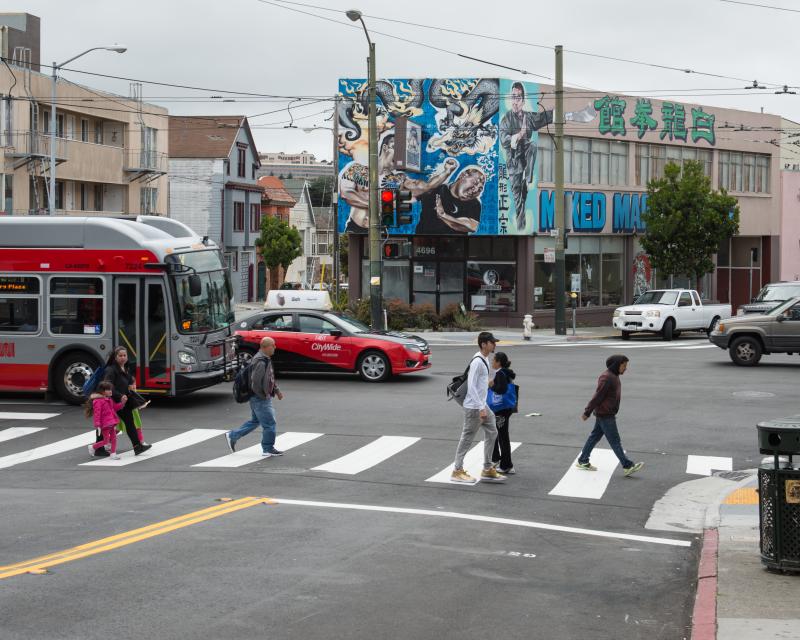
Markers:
(491, 475)
(459, 475)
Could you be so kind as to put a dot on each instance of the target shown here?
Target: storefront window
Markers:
(597, 261)
(492, 286)
(432, 248)
(612, 286)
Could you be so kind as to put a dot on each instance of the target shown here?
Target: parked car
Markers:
(770, 296)
(668, 312)
(318, 340)
(748, 337)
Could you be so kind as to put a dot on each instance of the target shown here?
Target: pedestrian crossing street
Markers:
(679, 345)
(574, 483)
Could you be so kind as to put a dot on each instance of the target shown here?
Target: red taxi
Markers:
(310, 340)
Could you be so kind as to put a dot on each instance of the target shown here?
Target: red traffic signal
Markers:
(391, 250)
(387, 197)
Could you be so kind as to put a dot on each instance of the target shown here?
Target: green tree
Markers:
(687, 221)
(279, 244)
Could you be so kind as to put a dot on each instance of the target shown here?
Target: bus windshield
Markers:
(211, 310)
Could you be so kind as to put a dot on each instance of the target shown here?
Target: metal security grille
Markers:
(780, 518)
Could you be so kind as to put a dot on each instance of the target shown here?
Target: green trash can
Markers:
(779, 494)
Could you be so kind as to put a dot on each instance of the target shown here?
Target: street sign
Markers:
(576, 282)
(549, 255)
(554, 233)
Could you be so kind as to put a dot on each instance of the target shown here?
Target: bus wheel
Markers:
(71, 374)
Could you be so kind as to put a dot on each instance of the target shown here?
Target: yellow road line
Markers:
(129, 537)
(747, 495)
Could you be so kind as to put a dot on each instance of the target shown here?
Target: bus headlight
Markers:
(186, 358)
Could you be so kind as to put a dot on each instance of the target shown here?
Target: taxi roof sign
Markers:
(298, 299)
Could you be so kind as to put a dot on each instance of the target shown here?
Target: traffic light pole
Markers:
(375, 288)
(559, 281)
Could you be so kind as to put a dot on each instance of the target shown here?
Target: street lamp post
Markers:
(51, 200)
(375, 288)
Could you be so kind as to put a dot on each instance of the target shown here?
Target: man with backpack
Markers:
(263, 389)
(478, 415)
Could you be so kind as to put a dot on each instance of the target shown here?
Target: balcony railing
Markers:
(146, 161)
(33, 144)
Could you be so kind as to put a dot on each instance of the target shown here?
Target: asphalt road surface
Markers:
(350, 535)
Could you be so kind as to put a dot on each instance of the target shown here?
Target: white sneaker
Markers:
(91, 450)
(114, 456)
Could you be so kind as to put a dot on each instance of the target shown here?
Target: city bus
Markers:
(74, 288)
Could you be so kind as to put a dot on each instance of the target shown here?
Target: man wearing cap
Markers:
(478, 415)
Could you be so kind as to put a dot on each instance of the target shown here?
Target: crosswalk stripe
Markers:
(16, 415)
(473, 464)
(577, 483)
(368, 456)
(698, 346)
(283, 442)
(185, 439)
(44, 451)
(704, 465)
(17, 432)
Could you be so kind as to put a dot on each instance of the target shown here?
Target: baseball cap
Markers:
(486, 336)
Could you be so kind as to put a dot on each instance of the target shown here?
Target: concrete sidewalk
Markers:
(737, 598)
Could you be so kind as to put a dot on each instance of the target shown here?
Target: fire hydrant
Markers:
(527, 326)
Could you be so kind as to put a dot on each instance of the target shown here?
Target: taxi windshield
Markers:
(351, 324)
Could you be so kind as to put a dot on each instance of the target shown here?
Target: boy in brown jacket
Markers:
(605, 405)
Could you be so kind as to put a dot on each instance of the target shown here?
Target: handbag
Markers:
(504, 401)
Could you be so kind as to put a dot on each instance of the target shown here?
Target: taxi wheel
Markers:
(246, 355)
(373, 366)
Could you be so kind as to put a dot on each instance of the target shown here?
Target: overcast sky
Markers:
(256, 46)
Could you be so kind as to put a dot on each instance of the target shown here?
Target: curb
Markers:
(704, 615)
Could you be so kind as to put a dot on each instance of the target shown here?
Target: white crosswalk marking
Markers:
(698, 346)
(367, 456)
(473, 464)
(17, 432)
(185, 439)
(44, 451)
(577, 483)
(704, 465)
(16, 415)
(283, 442)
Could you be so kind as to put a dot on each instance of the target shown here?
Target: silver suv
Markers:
(749, 337)
(771, 295)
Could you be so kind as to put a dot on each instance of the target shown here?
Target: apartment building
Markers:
(110, 151)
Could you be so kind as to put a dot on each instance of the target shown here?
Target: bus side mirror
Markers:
(195, 286)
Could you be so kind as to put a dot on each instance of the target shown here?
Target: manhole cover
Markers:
(753, 394)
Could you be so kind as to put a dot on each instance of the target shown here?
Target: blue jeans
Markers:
(263, 414)
(605, 426)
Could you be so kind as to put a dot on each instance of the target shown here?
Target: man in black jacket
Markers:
(605, 405)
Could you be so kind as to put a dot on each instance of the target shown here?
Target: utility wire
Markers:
(510, 41)
(761, 6)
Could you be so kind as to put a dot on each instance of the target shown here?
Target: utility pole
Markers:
(560, 221)
(335, 198)
(375, 286)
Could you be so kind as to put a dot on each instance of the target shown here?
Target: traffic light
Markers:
(387, 208)
(391, 250)
(403, 207)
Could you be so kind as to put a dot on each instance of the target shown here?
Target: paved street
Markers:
(357, 538)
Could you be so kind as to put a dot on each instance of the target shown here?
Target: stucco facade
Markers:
(111, 151)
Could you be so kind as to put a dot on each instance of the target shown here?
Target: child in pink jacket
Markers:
(106, 419)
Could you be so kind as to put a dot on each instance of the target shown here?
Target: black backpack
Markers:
(457, 389)
(241, 384)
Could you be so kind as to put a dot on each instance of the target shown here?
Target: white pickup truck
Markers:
(668, 312)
